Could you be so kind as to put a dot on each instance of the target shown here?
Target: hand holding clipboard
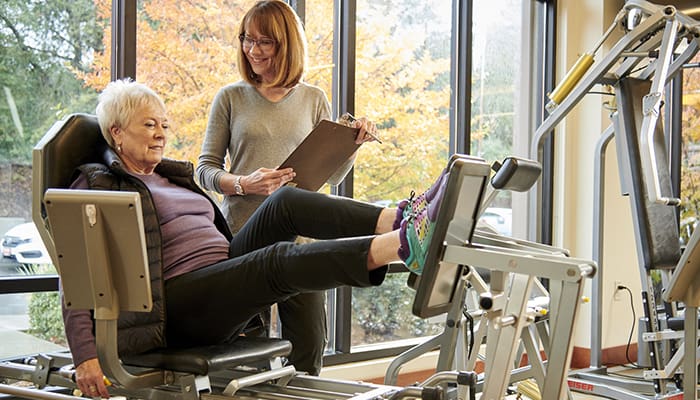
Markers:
(322, 152)
(348, 120)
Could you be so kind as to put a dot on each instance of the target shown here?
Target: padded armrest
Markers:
(245, 350)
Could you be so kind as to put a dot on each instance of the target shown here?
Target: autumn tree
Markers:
(403, 84)
(40, 44)
(186, 52)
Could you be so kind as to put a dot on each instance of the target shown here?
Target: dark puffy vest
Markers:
(139, 331)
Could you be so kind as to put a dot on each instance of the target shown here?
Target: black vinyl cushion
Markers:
(657, 224)
(78, 143)
(245, 350)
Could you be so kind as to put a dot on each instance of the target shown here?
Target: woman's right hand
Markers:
(265, 181)
(91, 379)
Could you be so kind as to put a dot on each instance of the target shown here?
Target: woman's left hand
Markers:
(90, 379)
(368, 130)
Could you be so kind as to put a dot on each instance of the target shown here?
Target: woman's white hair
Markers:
(118, 103)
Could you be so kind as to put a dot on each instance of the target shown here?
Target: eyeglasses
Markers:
(263, 44)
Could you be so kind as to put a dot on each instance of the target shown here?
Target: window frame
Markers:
(123, 64)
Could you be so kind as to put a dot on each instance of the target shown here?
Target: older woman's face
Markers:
(140, 144)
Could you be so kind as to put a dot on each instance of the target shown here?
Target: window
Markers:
(403, 68)
(403, 82)
(495, 72)
(495, 90)
(47, 48)
(186, 51)
(318, 24)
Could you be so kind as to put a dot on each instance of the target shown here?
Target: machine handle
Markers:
(651, 106)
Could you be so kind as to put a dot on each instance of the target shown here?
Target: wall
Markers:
(577, 137)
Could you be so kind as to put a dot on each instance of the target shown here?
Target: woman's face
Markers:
(140, 144)
(260, 51)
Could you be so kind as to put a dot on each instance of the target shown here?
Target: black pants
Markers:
(213, 304)
(303, 322)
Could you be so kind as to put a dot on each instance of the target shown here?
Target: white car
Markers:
(500, 219)
(23, 243)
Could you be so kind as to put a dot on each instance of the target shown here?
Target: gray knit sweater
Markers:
(255, 133)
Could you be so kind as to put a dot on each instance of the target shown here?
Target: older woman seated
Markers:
(214, 283)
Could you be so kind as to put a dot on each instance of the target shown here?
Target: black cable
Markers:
(634, 322)
(628, 376)
(601, 93)
(470, 322)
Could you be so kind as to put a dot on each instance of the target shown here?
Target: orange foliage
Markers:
(186, 52)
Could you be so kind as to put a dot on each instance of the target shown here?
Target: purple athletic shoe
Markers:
(407, 206)
(417, 227)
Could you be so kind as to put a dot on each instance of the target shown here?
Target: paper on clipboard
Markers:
(321, 153)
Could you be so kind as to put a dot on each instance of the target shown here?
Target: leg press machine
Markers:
(97, 241)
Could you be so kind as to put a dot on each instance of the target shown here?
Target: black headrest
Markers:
(70, 143)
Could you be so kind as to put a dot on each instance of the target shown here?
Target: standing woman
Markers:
(258, 122)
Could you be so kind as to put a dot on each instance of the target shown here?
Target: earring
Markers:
(119, 148)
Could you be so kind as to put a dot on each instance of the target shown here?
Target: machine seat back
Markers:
(656, 225)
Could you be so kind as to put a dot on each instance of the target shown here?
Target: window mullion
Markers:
(123, 39)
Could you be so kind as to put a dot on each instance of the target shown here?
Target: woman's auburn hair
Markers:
(276, 20)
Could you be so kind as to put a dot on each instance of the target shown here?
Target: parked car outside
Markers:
(500, 219)
(23, 244)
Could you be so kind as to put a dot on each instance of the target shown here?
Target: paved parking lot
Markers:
(13, 307)
(14, 321)
(8, 266)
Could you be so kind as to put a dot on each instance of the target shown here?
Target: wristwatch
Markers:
(237, 187)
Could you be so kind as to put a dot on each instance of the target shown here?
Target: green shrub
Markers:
(45, 319)
(384, 313)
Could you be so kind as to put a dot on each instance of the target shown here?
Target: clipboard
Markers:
(327, 147)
